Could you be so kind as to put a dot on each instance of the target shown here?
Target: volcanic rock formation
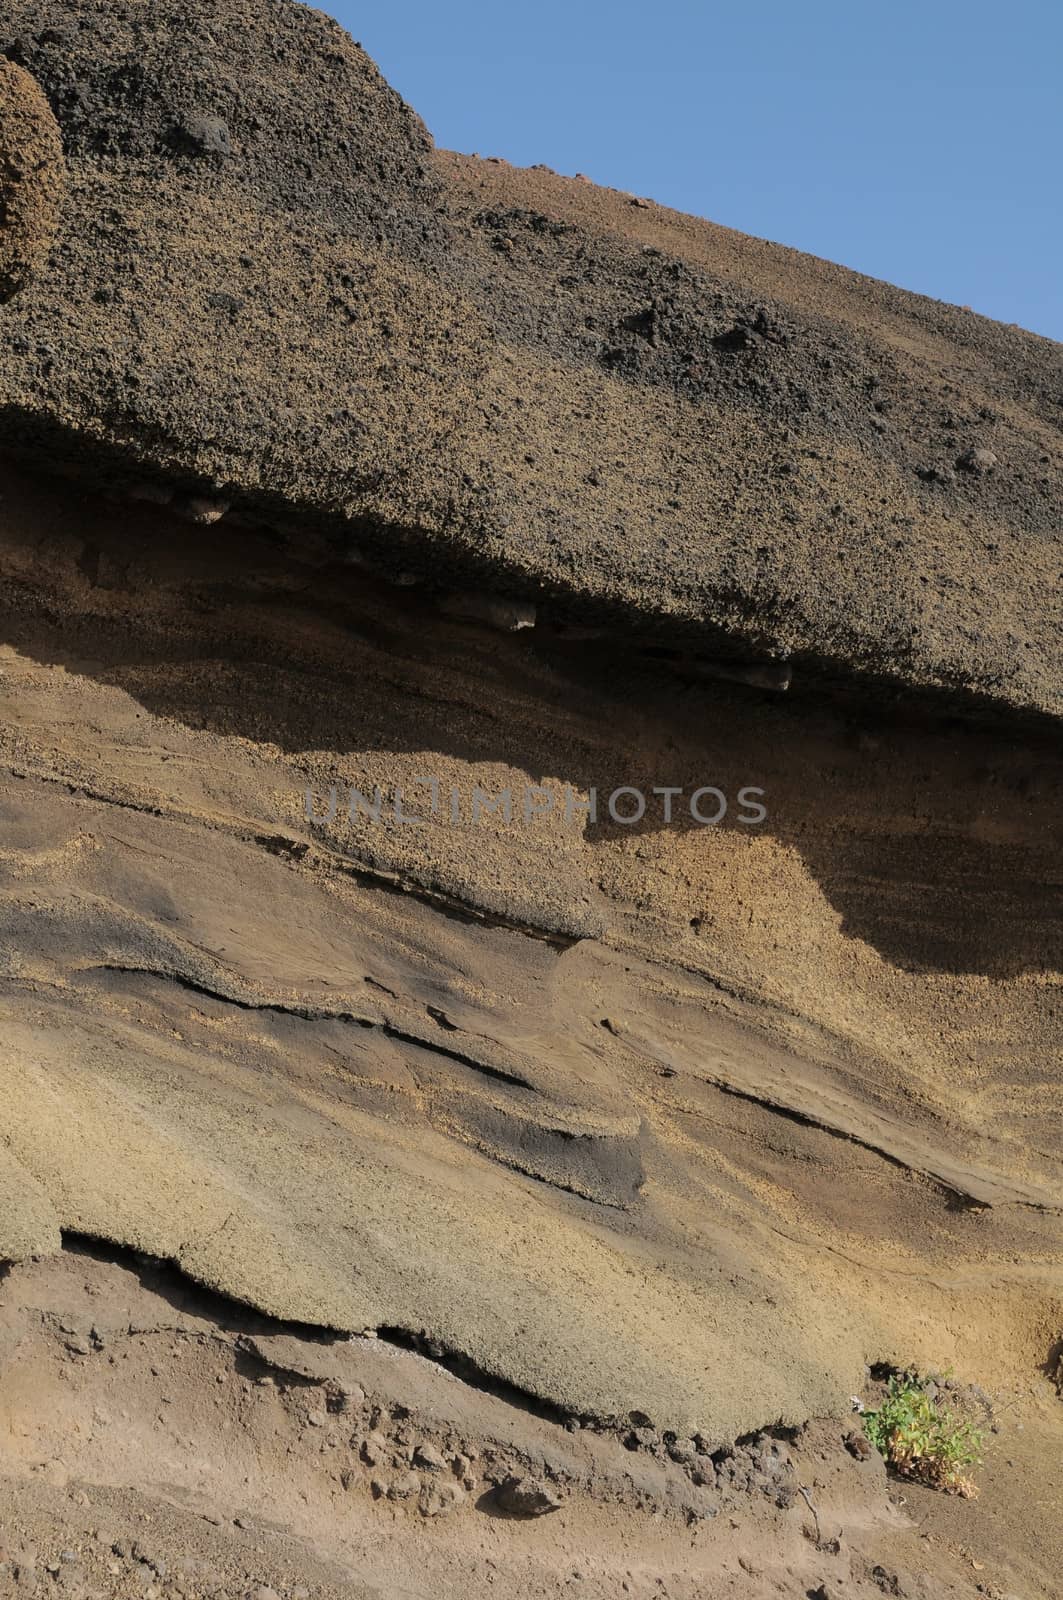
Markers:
(334, 463)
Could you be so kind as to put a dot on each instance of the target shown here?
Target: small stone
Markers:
(428, 1458)
(221, 301)
(264, 1592)
(78, 1346)
(402, 1487)
(345, 1398)
(977, 460)
(681, 1450)
(316, 1419)
(440, 1499)
(526, 1497)
(207, 134)
(375, 1449)
(204, 510)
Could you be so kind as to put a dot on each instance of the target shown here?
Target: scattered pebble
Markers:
(440, 1499)
(526, 1497)
(402, 1487)
(977, 460)
(201, 509)
(207, 135)
(375, 1449)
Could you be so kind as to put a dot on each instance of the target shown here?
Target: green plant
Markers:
(921, 1439)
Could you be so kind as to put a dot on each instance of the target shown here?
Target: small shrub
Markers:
(921, 1439)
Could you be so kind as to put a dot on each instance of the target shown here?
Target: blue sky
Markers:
(922, 143)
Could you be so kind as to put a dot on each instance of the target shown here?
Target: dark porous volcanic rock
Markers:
(272, 97)
(245, 294)
(269, 288)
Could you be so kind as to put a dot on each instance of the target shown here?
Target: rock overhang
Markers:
(266, 285)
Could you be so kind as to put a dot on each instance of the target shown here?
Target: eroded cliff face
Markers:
(337, 465)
